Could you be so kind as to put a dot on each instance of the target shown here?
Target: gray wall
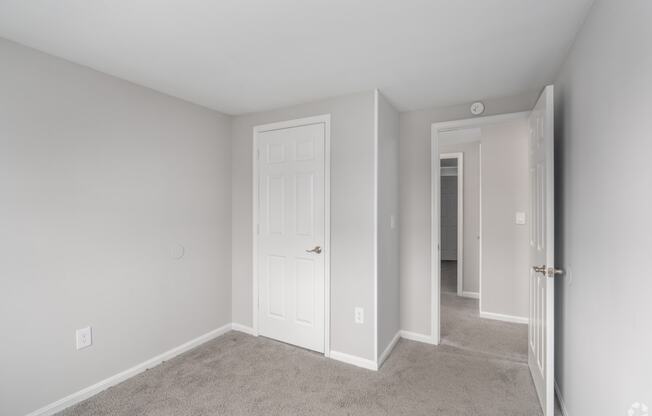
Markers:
(603, 204)
(352, 223)
(389, 319)
(414, 194)
(99, 178)
(471, 242)
(505, 245)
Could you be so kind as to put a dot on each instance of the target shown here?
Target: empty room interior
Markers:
(325, 207)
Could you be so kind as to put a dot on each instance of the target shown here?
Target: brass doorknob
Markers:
(316, 250)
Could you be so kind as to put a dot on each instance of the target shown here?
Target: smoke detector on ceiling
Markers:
(477, 108)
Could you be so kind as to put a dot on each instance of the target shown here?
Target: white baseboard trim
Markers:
(87, 392)
(472, 295)
(389, 349)
(243, 328)
(353, 360)
(504, 318)
(562, 403)
(414, 336)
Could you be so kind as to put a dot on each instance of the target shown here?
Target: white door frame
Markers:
(460, 217)
(435, 207)
(326, 120)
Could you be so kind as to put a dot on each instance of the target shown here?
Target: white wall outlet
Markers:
(84, 337)
(392, 221)
(359, 315)
(520, 218)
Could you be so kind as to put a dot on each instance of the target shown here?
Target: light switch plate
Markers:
(520, 218)
(84, 337)
(392, 221)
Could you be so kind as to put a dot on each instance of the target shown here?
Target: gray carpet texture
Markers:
(462, 327)
(479, 370)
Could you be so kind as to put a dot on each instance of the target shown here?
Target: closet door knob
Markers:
(316, 250)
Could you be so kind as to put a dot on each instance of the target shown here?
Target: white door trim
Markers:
(326, 120)
(375, 218)
(435, 278)
(460, 217)
(480, 227)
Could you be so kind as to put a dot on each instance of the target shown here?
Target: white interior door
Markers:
(291, 235)
(542, 259)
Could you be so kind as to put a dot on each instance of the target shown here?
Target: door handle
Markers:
(550, 271)
(316, 250)
(539, 269)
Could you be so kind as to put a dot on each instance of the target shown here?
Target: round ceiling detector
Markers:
(477, 108)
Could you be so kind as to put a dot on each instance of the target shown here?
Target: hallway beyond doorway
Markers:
(463, 328)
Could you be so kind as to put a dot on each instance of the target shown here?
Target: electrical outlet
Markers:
(359, 315)
(84, 337)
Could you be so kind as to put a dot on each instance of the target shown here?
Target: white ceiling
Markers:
(240, 56)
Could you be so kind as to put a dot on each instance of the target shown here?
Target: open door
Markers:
(541, 331)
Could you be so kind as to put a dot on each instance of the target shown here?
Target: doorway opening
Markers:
(480, 242)
(459, 262)
(452, 222)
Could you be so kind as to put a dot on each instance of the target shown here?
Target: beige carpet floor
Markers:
(479, 370)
